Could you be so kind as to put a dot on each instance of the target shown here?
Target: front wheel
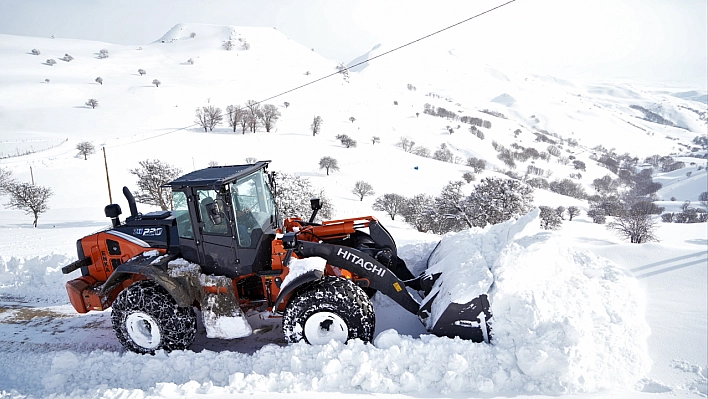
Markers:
(330, 309)
(146, 318)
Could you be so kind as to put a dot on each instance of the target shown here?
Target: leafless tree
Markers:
(5, 179)
(362, 189)
(253, 115)
(141, 72)
(635, 224)
(346, 140)
(251, 160)
(392, 204)
(329, 163)
(235, 114)
(344, 71)
(209, 117)
(67, 58)
(316, 125)
(29, 198)
(103, 53)
(85, 148)
(286, 104)
(550, 220)
(99, 80)
(406, 144)
(375, 139)
(352, 119)
(92, 102)
(36, 52)
(156, 82)
(228, 45)
(269, 115)
(190, 61)
(152, 176)
(193, 35)
(573, 211)
(246, 46)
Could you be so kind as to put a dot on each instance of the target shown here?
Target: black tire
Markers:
(146, 318)
(331, 308)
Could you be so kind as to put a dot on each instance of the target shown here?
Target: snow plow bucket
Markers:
(467, 321)
(456, 286)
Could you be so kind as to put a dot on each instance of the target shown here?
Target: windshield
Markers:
(253, 204)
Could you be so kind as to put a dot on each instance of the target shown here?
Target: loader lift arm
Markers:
(357, 262)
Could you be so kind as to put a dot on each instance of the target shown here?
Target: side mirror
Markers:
(214, 212)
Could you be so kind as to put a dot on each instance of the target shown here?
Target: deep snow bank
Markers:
(564, 321)
(34, 279)
(568, 320)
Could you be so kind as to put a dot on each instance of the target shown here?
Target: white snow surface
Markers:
(571, 309)
(564, 321)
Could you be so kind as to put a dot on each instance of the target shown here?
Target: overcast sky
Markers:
(647, 41)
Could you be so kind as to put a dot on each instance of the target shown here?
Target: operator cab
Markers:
(226, 218)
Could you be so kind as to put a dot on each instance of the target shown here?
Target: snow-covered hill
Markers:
(136, 120)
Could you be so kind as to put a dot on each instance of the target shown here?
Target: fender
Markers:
(180, 288)
(312, 275)
(381, 278)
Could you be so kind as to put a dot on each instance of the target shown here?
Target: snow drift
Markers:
(564, 321)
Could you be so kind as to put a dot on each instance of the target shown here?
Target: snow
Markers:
(575, 312)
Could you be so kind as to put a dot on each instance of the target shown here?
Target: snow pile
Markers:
(34, 279)
(569, 321)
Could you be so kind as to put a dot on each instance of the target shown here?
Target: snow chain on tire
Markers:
(332, 300)
(146, 318)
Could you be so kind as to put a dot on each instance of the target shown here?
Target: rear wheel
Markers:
(146, 318)
(330, 309)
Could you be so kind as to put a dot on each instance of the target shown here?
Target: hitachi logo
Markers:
(357, 260)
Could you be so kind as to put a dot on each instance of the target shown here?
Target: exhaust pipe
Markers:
(131, 202)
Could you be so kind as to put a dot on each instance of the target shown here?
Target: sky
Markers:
(648, 41)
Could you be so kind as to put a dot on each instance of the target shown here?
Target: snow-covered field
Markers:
(577, 311)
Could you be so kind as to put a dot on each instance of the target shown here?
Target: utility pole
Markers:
(108, 180)
(32, 174)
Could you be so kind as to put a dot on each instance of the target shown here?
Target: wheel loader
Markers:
(224, 251)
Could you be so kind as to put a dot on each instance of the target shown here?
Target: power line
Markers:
(339, 71)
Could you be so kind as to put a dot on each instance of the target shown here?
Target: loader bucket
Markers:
(467, 321)
(455, 290)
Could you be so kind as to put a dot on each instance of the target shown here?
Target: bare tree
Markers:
(375, 139)
(99, 80)
(234, 113)
(156, 82)
(362, 189)
(635, 224)
(36, 52)
(392, 204)
(193, 35)
(254, 115)
(573, 211)
(329, 163)
(251, 160)
(103, 53)
(209, 117)
(85, 148)
(92, 102)
(153, 175)
(190, 61)
(29, 198)
(5, 179)
(269, 115)
(703, 198)
(141, 72)
(346, 140)
(406, 144)
(550, 220)
(228, 45)
(344, 71)
(246, 46)
(286, 104)
(352, 119)
(67, 58)
(316, 125)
